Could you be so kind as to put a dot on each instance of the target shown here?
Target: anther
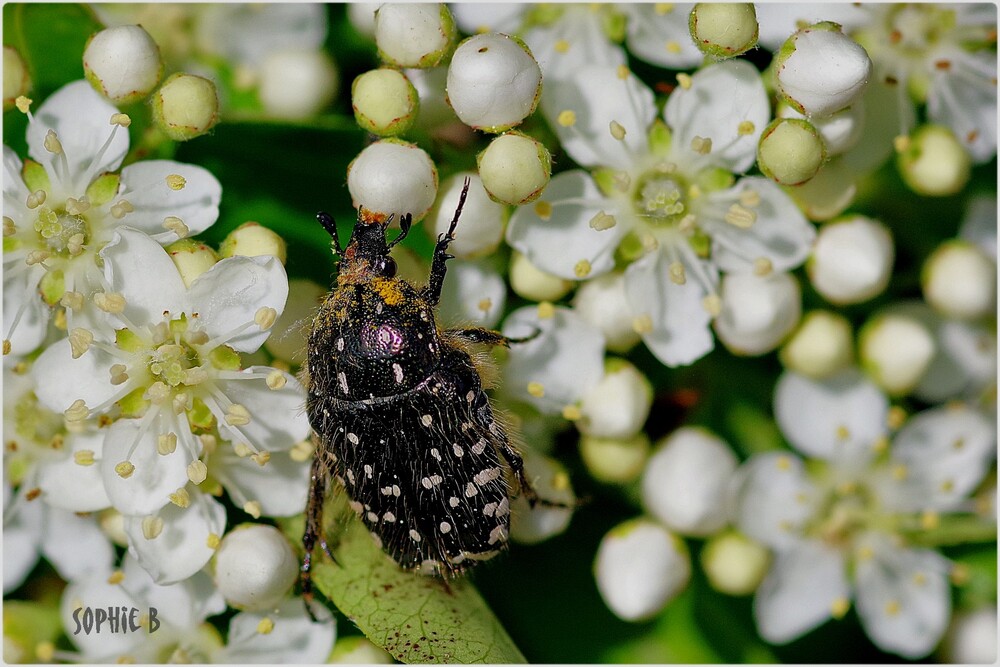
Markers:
(566, 118)
(110, 302)
(121, 119)
(152, 526)
(237, 415)
(197, 471)
(166, 443)
(52, 143)
(176, 182)
(276, 380)
(125, 469)
(176, 225)
(79, 341)
(265, 317)
(617, 130)
(77, 412)
(602, 221)
(677, 273)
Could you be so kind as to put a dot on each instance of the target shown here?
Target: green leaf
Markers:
(28, 624)
(413, 617)
(754, 429)
(51, 39)
(676, 638)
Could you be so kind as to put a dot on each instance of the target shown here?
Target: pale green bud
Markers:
(254, 567)
(618, 405)
(827, 194)
(790, 151)
(532, 283)
(613, 460)
(723, 29)
(960, 280)
(515, 168)
(895, 351)
(414, 34)
(192, 258)
(822, 345)
(185, 106)
(385, 102)
(934, 163)
(297, 83)
(734, 564)
(252, 239)
(16, 79)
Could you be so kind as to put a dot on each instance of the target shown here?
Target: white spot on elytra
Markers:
(386, 490)
(372, 517)
(414, 535)
(395, 490)
(436, 479)
(368, 471)
(435, 453)
(498, 534)
(470, 490)
(426, 420)
(479, 447)
(389, 517)
(343, 381)
(485, 476)
(453, 501)
(503, 508)
(471, 396)
(445, 527)
(397, 370)
(340, 345)
(489, 509)
(426, 482)
(350, 476)
(356, 506)
(457, 448)
(352, 438)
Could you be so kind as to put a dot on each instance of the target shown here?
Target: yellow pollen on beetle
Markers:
(617, 130)
(582, 269)
(84, 457)
(536, 389)
(712, 304)
(110, 302)
(276, 380)
(566, 118)
(546, 310)
(840, 607)
(684, 81)
(571, 413)
(152, 526)
(237, 415)
(76, 412)
(642, 324)
(23, 103)
(561, 46)
(623, 72)
(181, 498)
(740, 216)
(602, 221)
(166, 443)
(79, 342)
(677, 273)
(197, 471)
(265, 317)
(673, 47)
(745, 127)
(701, 145)
(252, 507)
(176, 182)
(543, 210)
(52, 143)
(265, 626)
(762, 266)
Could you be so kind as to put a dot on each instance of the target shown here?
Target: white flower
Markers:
(980, 223)
(57, 217)
(664, 198)
(255, 567)
(757, 311)
(123, 62)
(393, 178)
(565, 37)
(602, 302)
(474, 294)
(282, 634)
(852, 260)
(839, 523)
(972, 638)
(618, 405)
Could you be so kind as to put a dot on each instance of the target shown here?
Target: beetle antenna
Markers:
(330, 226)
(405, 223)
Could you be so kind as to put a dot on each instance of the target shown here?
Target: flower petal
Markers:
(246, 34)
(22, 538)
(14, 188)
(680, 332)
(96, 593)
(979, 224)
(181, 549)
(277, 416)
(230, 293)
(800, 592)
(60, 379)
(573, 41)
(963, 96)
(138, 268)
(840, 418)
(144, 185)
(280, 486)
(473, 295)
(903, 596)
(660, 35)
(598, 95)
(779, 20)
(75, 545)
(888, 112)
(184, 605)
(155, 477)
(773, 499)
(722, 97)
(559, 365)
(67, 485)
(20, 295)
(81, 118)
(780, 232)
(562, 239)
(295, 638)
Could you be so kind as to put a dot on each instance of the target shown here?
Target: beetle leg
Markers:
(489, 337)
(433, 290)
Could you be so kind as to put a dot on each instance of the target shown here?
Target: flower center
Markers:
(62, 232)
(913, 29)
(660, 196)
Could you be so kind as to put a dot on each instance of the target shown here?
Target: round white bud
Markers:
(385, 102)
(530, 525)
(820, 70)
(482, 218)
(618, 405)
(192, 258)
(361, 15)
(840, 130)
(851, 260)
(493, 82)
(288, 339)
(393, 177)
(790, 151)
(602, 302)
(532, 283)
(414, 34)
(123, 63)
(252, 239)
(640, 567)
(934, 163)
(186, 106)
(757, 311)
(515, 168)
(972, 638)
(686, 481)
(734, 564)
(822, 345)
(254, 567)
(723, 29)
(895, 350)
(960, 280)
(474, 294)
(16, 79)
(297, 83)
(615, 461)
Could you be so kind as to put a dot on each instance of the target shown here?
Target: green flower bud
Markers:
(734, 564)
(252, 239)
(934, 163)
(532, 283)
(192, 258)
(959, 280)
(515, 168)
(185, 106)
(16, 80)
(615, 461)
(385, 102)
(895, 351)
(822, 345)
(723, 29)
(790, 151)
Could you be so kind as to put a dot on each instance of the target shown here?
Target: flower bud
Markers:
(723, 29)
(934, 163)
(357, 650)
(972, 637)
(895, 351)
(822, 345)
(361, 16)
(640, 567)
(385, 102)
(288, 338)
(851, 260)
(414, 34)
(192, 258)
(297, 83)
(482, 218)
(531, 525)
(16, 79)
(960, 280)
(757, 311)
(254, 567)
(618, 405)
(615, 461)
(493, 82)
(840, 131)
(252, 239)
(820, 70)
(515, 168)
(532, 283)
(393, 177)
(790, 151)
(475, 293)
(686, 479)
(123, 63)
(602, 302)
(827, 194)
(185, 106)
(733, 563)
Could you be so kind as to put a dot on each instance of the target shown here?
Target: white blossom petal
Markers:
(246, 34)
(181, 548)
(280, 486)
(295, 638)
(476, 17)
(679, 321)
(722, 97)
(277, 416)
(575, 40)
(597, 96)
(979, 224)
(903, 596)
(963, 96)
(840, 418)
(144, 185)
(13, 185)
(20, 294)
(155, 477)
(138, 268)
(758, 312)
(67, 485)
(800, 592)
(184, 605)
(60, 379)
(659, 34)
(888, 111)
(562, 239)
(75, 545)
(773, 499)
(22, 538)
(96, 593)
(230, 294)
(473, 295)
(778, 20)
